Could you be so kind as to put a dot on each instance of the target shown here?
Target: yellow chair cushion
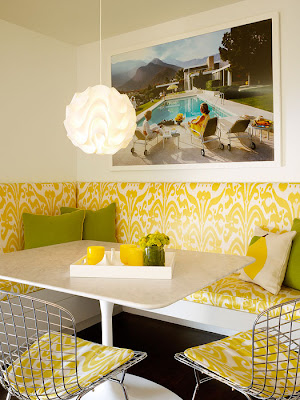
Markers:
(18, 288)
(231, 358)
(235, 294)
(93, 362)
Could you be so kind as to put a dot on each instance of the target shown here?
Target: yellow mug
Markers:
(124, 252)
(95, 254)
(135, 256)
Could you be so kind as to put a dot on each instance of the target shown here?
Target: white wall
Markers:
(96, 168)
(88, 65)
(38, 80)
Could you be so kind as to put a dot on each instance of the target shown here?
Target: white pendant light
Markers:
(100, 120)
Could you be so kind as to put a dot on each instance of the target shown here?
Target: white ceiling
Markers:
(77, 21)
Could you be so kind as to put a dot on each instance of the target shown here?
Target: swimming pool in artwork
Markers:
(188, 106)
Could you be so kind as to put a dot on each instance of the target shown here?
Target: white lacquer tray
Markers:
(112, 267)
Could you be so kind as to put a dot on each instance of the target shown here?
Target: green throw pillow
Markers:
(98, 225)
(45, 230)
(292, 276)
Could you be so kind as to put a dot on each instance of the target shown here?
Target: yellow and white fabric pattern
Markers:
(271, 252)
(35, 198)
(233, 293)
(210, 217)
(231, 358)
(15, 287)
(93, 362)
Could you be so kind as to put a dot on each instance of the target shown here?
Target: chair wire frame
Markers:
(275, 356)
(38, 351)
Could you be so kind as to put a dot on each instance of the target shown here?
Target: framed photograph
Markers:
(211, 99)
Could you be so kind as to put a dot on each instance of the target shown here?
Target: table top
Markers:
(262, 128)
(49, 267)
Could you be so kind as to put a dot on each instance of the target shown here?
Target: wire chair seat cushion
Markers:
(93, 362)
(231, 359)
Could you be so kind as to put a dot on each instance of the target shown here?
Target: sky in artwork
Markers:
(183, 50)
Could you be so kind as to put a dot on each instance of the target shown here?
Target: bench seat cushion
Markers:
(19, 288)
(233, 293)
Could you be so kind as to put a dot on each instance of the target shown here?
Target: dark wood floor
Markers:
(161, 340)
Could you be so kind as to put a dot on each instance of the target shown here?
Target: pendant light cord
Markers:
(100, 41)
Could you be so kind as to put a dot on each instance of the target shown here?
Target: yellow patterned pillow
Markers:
(271, 252)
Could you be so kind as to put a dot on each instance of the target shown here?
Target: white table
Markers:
(48, 267)
(168, 135)
(261, 129)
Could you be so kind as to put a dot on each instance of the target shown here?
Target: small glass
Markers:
(135, 256)
(154, 255)
(95, 254)
(124, 252)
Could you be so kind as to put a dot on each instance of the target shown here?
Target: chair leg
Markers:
(8, 397)
(199, 381)
(196, 373)
(123, 386)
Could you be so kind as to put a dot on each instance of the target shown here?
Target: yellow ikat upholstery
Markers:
(36, 198)
(18, 288)
(235, 294)
(93, 362)
(231, 358)
(215, 217)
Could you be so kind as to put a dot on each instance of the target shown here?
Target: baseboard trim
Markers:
(200, 316)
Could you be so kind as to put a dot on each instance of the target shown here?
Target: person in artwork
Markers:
(133, 102)
(151, 131)
(199, 124)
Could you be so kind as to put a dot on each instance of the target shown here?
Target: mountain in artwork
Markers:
(125, 70)
(154, 73)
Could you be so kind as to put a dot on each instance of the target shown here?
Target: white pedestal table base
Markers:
(137, 389)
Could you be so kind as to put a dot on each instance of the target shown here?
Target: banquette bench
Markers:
(216, 217)
(46, 199)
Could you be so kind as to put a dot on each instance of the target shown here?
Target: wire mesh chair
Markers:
(211, 133)
(262, 363)
(41, 357)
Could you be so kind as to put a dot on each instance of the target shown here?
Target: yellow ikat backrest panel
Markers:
(36, 198)
(197, 216)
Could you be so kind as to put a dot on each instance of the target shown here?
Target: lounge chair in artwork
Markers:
(211, 133)
(239, 130)
(140, 138)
